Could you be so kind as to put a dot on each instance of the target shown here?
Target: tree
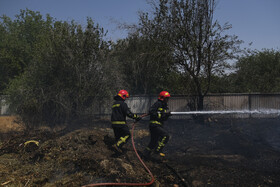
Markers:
(67, 77)
(258, 72)
(144, 65)
(199, 48)
(18, 40)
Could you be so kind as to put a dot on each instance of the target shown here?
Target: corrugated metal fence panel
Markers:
(264, 102)
(178, 104)
(226, 102)
(213, 103)
(4, 107)
(236, 102)
(141, 104)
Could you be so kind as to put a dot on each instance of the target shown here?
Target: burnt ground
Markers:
(221, 152)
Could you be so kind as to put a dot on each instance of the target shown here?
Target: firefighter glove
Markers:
(138, 118)
(168, 114)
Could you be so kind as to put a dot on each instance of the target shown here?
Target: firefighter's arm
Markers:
(164, 113)
(156, 111)
(132, 115)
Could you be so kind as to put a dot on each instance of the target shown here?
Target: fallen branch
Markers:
(5, 183)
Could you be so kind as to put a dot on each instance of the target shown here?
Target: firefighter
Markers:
(118, 118)
(159, 136)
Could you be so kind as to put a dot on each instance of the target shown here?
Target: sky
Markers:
(256, 21)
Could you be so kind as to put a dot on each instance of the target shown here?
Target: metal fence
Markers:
(4, 107)
(212, 102)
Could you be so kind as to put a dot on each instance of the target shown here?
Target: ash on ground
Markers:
(219, 152)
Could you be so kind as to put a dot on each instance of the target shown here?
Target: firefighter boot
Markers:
(159, 156)
(146, 153)
(116, 148)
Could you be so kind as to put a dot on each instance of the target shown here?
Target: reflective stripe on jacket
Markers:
(157, 113)
(120, 110)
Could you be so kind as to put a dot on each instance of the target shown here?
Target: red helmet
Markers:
(123, 94)
(163, 95)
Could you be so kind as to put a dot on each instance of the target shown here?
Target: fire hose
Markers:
(180, 113)
(139, 158)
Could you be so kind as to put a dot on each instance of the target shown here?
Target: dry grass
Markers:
(8, 124)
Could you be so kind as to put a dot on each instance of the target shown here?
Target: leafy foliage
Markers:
(145, 66)
(199, 47)
(55, 71)
(18, 41)
(258, 72)
(67, 76)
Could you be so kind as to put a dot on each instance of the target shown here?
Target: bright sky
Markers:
(254, 21)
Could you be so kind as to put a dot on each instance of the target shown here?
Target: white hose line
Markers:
(270, 111)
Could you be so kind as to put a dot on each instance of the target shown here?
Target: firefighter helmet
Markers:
(163, 95)
(123, 94)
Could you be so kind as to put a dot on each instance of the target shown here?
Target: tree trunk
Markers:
(200, 102)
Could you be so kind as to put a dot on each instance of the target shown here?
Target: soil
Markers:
(218, 152)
